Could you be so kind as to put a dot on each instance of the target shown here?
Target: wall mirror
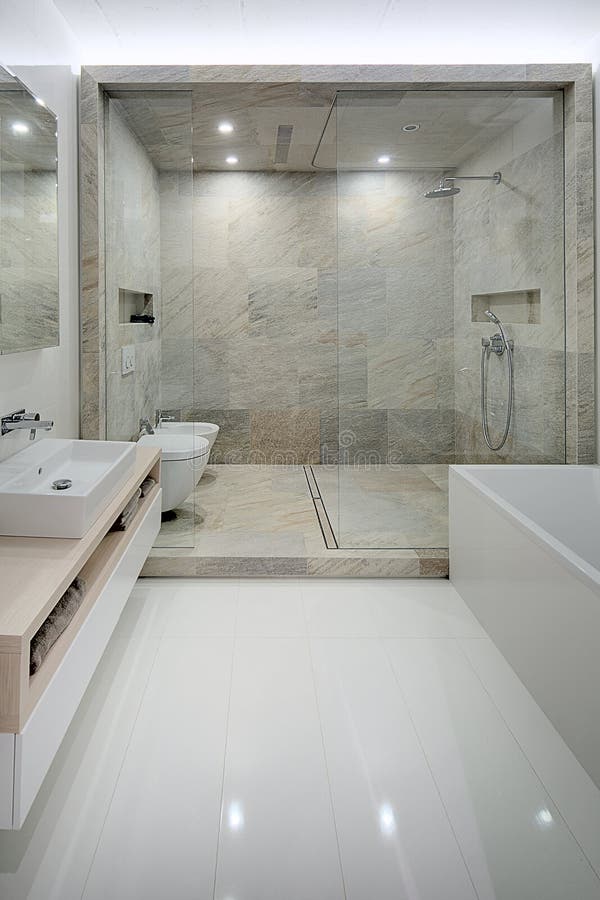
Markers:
(28, 220)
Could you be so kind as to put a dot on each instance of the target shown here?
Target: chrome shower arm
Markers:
(496, 177)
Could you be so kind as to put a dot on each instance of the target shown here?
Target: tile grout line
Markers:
(529, 762)
(117, 779)
(324, 751)
(233, 649)
(427, 761)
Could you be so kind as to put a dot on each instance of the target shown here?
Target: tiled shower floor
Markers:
(262, 520)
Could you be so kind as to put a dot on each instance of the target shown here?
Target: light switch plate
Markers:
(127, 359)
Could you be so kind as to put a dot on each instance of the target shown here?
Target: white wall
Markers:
(594, 58)
(38, 46)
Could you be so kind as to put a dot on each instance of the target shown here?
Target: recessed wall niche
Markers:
(135, 303)
(513, 307)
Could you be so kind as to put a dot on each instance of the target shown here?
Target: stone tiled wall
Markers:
(132, 263)
(395, 320)
(259, 325)
(509, 237)
(28, 260)
(286, 294)
(261, 339)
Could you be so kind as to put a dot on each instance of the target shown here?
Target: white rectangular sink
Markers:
(31, 505)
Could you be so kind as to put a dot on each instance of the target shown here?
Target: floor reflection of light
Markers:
(544, 818)
(387, 820)
(235, 816)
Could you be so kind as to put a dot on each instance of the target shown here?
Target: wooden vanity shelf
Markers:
(35, 711)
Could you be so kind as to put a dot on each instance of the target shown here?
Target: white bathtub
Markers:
(525, 556)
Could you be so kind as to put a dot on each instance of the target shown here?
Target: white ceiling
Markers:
(453, 125)
(331, 31)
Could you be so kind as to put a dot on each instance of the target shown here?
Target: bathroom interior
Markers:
(299, 567)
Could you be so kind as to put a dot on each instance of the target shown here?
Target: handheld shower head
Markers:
(492, 316)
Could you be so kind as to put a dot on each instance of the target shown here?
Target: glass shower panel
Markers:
(416, 275)
(149, 277)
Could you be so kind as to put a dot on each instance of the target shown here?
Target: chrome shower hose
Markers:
(485, 352)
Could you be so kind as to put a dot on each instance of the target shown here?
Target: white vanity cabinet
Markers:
(36, 711)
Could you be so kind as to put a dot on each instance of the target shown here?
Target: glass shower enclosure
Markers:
(450, 303)
(450, 205)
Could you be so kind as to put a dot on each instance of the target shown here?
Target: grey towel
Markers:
(124, 520)
(128, 513)
(147, 485)
(52, 628)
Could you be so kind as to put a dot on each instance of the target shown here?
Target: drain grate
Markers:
(321, 513)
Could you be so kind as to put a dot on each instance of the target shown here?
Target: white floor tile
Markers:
(513, 839)
(173, 609)
(569, 785)
(389, 818)
(426, 609)
(207, 612)
(342, 609)
(277, 835)
(443, 750)
(160, 835)
(270, 608)
(50, 857)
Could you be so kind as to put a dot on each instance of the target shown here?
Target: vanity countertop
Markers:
(35, 572)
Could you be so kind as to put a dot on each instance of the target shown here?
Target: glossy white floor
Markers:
(307, 740)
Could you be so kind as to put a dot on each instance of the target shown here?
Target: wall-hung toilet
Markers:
(200, 429)
(184, 458)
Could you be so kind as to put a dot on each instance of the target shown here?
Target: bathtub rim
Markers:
(584, 571)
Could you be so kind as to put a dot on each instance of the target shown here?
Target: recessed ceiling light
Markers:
(384, 159)
(20, 128)
(412, 126)
(231, 160)
(225, 127)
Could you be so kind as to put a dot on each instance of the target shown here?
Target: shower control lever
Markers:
(497, 344)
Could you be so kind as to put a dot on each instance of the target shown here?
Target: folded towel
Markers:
(128, 512)
(52, 628)
(147, 485)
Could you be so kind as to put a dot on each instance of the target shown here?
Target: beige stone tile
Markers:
(280, 436)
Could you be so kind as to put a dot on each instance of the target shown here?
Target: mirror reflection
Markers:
(28, 220)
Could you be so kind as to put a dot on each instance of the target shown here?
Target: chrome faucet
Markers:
(159, 418)
(20, 420)
(145, 427)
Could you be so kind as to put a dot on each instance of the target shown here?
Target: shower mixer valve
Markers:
(496, 344)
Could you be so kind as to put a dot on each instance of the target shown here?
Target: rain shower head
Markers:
(447, 187)
(442, 190)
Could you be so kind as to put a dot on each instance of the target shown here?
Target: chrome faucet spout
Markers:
(21, 420)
